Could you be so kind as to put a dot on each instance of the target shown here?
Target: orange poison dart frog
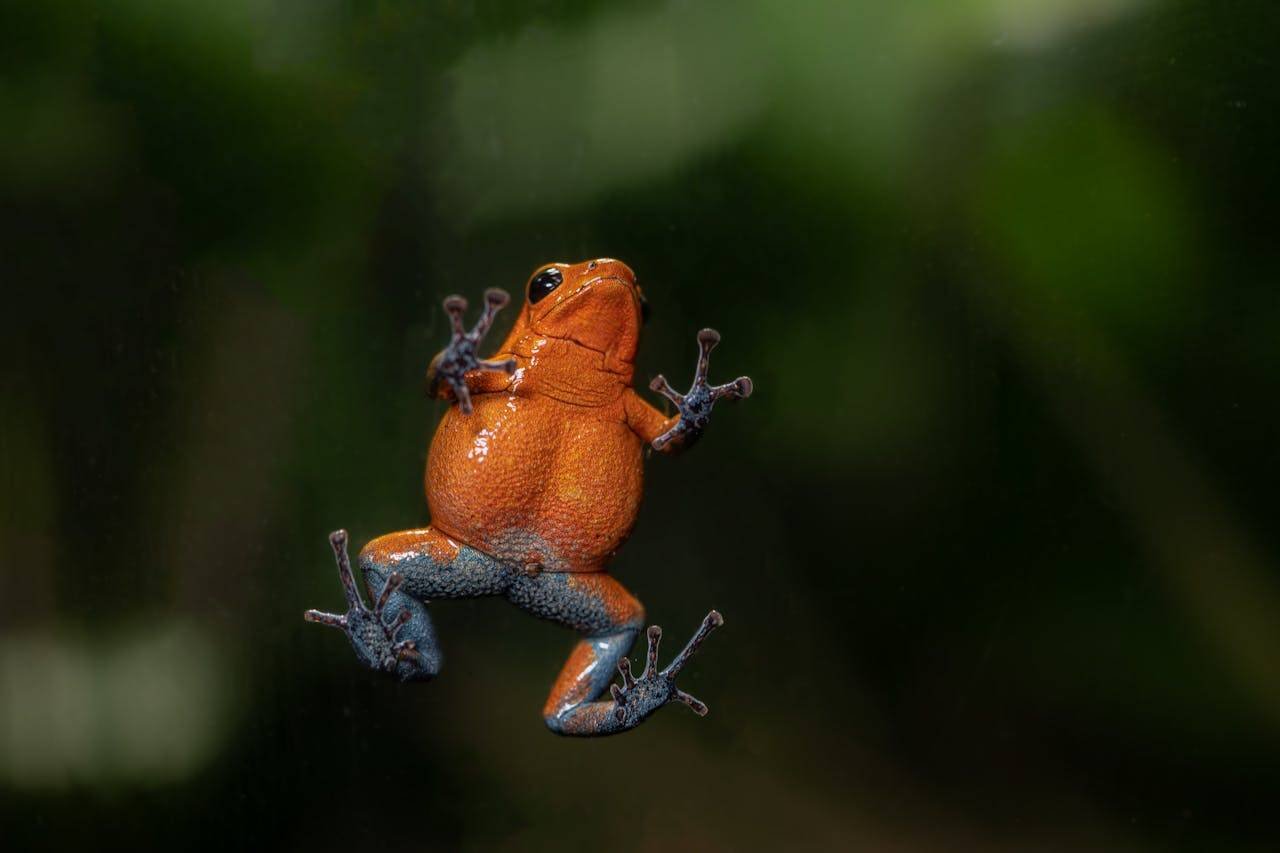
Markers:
(533, 481)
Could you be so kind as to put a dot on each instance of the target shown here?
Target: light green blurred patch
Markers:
(853, 80)
(1088, 214)
(860, 84)
(296, 35)
(551, 119)
(222, 24)
(840, 91)
(1038, 23)
(145, 709)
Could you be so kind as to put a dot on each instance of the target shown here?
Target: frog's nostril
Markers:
(593, 265)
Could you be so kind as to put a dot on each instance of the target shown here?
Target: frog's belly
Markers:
(530, 481)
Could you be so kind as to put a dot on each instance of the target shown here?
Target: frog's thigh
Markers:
(433, 565)
(591, 603)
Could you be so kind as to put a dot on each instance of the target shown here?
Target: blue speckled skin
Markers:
(607, 616)
(472, 574)
(413, 566)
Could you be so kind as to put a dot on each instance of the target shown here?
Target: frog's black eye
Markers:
(543, 283)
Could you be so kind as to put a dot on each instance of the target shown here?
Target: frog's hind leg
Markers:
(609, 618)
(402, 572)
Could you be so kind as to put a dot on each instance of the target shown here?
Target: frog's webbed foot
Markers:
(371, 634)
(459, 357)
(695, 405)
(637, 698)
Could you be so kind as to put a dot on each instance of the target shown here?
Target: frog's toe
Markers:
(455, 304)
(710, 622)
(663, 387)
(738, 389)
(495, 299)
(695, 704)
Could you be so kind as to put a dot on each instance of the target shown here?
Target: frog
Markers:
(533, 481)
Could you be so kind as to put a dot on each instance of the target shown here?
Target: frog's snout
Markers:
(610, 268)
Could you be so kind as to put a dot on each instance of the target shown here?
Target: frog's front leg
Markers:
(609, 617)
(694, 406)
(458, 362)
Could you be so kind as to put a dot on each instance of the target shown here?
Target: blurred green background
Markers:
(995, 538)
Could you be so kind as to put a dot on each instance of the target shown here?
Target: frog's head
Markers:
(594, 303)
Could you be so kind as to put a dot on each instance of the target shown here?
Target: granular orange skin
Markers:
(546, 473)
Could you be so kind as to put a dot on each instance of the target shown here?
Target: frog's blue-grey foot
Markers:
(695, 405)
(639, 697)
(459, 357)
(413, 566)
(380, 642)
(608, 616)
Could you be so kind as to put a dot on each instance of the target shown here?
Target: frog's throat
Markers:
(621, 348)
(567, 354)
(570, 368)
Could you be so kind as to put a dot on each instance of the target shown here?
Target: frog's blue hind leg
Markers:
(402, 572)
(609, 618)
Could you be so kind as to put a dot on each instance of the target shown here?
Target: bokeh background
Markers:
(995, 538)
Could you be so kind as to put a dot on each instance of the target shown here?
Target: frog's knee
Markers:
(600, 606)
(426, 545)
(624, 609)
(376, 553)
(634, 618)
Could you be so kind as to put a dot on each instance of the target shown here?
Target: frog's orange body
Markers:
(547, 471)
(533, 480)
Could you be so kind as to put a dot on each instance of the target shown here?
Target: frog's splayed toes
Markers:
(459, 357)
(639, 697)
(695, 405)
(374, 638)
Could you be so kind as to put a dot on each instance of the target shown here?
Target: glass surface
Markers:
(995, 538)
